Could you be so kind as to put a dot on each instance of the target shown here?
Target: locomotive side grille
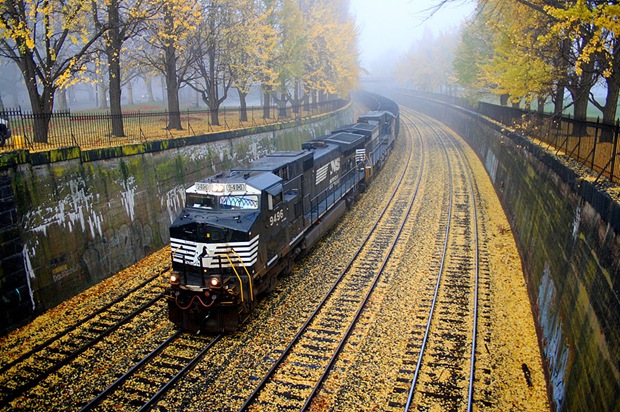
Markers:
(189, 252)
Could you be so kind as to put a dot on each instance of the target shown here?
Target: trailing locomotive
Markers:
(242, 228)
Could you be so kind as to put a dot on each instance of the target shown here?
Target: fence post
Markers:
(615, 151)
(579, 143)
(594, 148)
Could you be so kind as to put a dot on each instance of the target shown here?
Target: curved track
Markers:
(401, 328)
(31, 368)
(444, 371)
(297, 375)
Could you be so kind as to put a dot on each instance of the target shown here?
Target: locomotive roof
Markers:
(346, 141)
(376, 115)
(257, 179)
(365, 129)
(277, 160)
(319, 148)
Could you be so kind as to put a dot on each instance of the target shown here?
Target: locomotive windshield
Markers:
(230, 202)
(202, 201)
(244, 202)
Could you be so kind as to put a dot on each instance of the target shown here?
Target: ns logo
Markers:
(332, 167)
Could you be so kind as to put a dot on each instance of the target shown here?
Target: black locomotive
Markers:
(240, 229)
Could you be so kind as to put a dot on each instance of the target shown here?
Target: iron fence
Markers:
(94, 130)
(591, 143)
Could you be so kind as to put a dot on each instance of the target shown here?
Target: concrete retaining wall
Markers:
(71, 218)
(567, 233)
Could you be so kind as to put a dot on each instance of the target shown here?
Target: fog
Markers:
(389, 27)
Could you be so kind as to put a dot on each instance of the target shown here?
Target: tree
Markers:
(210, 46)
(165, 47)
(590, 28)
(290, 52)
(50, 41)
(429, 63)
(331, 57)
(123, 18)
(255, 39)
(545, 46)
(519, 66)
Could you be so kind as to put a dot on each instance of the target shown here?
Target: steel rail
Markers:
(436, 292)
(168, 385)
(15, 393)
(79, 323)
(470, 389)
(107, 391)
(321, 304)
(362, 305)
(468, 171)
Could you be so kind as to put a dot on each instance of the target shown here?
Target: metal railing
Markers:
(94, 130)
(591, 143)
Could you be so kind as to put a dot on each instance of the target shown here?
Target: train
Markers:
(241, 229)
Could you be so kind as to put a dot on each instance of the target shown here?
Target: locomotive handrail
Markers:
(238, 277)
(247, 273)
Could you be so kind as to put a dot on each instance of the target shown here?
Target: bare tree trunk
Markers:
(540, 108)
(610, 108)
(281, 102)
(42, 103)
(62, 99)
(103, 97)
(580, 111)
(172, 82)
(558, 104)
(215, 116)
(130, 93)
(243, 112)
(113, 49)
(296, 100)
(149, 89)
(266, 105)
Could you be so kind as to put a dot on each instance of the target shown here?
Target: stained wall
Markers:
(71, 218)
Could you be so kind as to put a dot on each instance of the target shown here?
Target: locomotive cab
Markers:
(239, 230)
(215, 250)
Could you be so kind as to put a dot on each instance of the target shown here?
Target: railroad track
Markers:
(153, 376)
(352, 369)
(443, 349)
(298, 374)
(30, 369)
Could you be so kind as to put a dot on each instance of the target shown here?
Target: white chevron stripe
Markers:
(188, 251)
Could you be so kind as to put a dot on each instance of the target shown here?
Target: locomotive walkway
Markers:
(436, 316)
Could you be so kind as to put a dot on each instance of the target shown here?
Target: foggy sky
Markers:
(389, 27)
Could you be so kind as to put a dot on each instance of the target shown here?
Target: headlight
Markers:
(174, 279)
(215, 282)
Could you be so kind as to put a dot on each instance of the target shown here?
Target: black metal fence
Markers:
(94, 130)
(591, 143)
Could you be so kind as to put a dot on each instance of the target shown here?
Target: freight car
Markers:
(242, 228)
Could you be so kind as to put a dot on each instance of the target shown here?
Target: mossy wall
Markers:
(567, 233)
(76, 217)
